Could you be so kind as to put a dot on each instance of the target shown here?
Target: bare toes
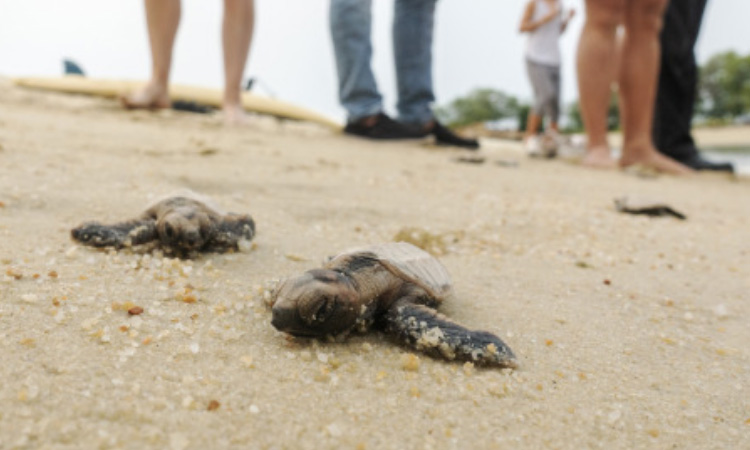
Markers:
(599, 159)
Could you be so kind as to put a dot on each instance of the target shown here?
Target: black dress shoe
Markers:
(444, 136)
(697, 162)
(383, 128)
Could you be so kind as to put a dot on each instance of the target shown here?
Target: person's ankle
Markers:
(428, 126)
(640, 145)
(232, 97)
(231, 104)
(366, 121)
(369, 121)
(424, 126)
(158, 84)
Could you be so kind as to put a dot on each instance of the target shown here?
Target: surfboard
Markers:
(208, 96)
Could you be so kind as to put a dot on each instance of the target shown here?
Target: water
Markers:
(739, 156)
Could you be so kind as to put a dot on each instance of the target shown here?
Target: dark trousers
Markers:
(678, 79)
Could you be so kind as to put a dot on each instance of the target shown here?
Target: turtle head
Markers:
(184, 229)
(317, 303)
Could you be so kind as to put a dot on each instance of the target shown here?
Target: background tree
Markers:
(723, 94)
(724, 86)
(613, 115)
(480, 105)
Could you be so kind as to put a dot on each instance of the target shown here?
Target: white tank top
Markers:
(542, 46)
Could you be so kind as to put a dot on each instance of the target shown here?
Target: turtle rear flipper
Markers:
(230, 231)
(125, 234)
(424, 329)
(664, 211)
(648, 207)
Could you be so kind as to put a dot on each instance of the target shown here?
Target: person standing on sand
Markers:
(163, 19)
(351, 23)
(678, 84)
(545, 22)
(637, 62)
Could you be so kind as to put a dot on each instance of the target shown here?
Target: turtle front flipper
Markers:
(125, 234)
(424, 329)
(230, 230)
(668, 211)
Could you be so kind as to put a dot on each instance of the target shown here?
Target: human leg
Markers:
(552, 139)
(531, 141)
(543, 80)
(678, 79)
(597, 62)
(413, 27)
(237, 34)
(554, 99)
(351, 23)
(162, 19)
(677, 86)
(638, 76)
(534, 120)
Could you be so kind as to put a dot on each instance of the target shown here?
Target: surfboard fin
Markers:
(72, 68)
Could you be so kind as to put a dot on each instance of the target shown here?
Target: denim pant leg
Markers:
(351, 23)
(412, 41)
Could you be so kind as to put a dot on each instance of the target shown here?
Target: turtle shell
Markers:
(208, 202)
(410, 263)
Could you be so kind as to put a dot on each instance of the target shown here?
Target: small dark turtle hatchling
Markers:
(635, 205)
(180, 223)
(395, 287)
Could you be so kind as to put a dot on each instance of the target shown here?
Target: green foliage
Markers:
(613, 115)
(481, 105)
(523, 115)
(576, 121)
(723, 94)
(724, 88)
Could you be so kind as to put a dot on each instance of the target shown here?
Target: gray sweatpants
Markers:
(545, 80)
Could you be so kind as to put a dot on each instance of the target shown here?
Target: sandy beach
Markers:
(631, 332)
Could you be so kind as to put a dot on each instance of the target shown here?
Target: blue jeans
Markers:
(351, 24)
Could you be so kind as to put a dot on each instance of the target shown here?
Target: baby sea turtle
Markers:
(180, 223)
(635, 205)
(393, 286)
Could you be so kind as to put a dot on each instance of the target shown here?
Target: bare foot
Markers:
(650, 158)
(151, 96)
(234, 115)
(598, 158)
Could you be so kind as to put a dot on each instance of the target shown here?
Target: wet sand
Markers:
(631, 331)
